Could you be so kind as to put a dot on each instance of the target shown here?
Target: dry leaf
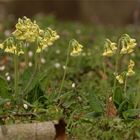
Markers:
(111, 110)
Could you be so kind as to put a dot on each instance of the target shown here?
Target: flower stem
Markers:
(125, 86)
(33, 74)
(26, 55)
(65, 70)
(116, 71)
(16, 74)
(116, 66)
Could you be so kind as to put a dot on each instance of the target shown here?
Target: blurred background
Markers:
(116, 12)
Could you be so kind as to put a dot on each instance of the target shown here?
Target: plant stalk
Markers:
(65, 70)
(26, 55)
(116, 66)
(125, 86)
(16, 74)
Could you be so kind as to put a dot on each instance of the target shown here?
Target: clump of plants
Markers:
(125, 102)
(28, 34)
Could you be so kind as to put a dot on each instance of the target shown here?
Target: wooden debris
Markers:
(61, 130)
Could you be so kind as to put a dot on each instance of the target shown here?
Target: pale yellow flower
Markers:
(132, 43)
(123, 50)
(10, 46)
(120, 78)
(46, 38)
(130, 71)
(128, 45)
(110, 48)
(1, 46)
(131, 63)
(108, 52)
(26, 30)
(77, 48)
(13, 50)
(113, 46)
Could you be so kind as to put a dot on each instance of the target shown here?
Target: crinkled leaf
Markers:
(118, 96)
(94, 103)
(131, 113)
(4, 93)
(30, 78)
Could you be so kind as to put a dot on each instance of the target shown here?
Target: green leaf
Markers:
(30, 79)
(2, 101)
(118, 96)
(137, 133)
(131, 113)
(4, 93)
(94, 103)
(123, 106)
(36, 94)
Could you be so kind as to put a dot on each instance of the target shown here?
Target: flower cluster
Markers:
(28, 31)
(76, 48)
(126, 45)
(130, 72)
(110, 48)
(10, 46)
(46, 39)
(120, 78)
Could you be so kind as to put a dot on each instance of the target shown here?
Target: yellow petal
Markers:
(1, 46)
(120, 79)
(130, 72)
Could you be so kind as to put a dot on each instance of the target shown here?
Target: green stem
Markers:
(26, 54)
(116, 66)
(36, 61)
(116, 71)
(16, 75)
(125, 86)
(33, 74)
(65, 70)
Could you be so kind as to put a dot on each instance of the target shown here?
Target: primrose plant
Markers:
(121, 50)
(74, 49)
(28, 32)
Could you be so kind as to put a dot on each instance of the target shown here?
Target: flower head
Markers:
(10, 46)
(128, 44)
(77, 48)
(26, 30)
(130, 71)
(120, 78)
(110, 48)
(1, 46)
(46, 38)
